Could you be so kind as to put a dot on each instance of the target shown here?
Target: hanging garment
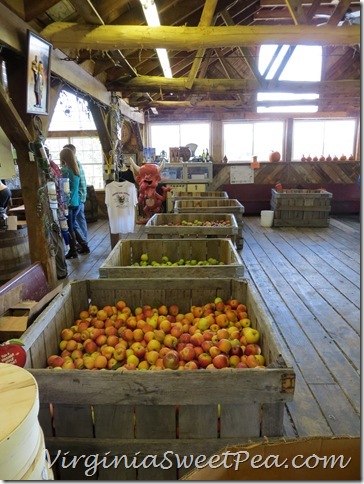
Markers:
(121, 200)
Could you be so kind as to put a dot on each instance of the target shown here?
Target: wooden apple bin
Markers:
(183, 412)
(163, 226)
(126, 252)
(215, 205)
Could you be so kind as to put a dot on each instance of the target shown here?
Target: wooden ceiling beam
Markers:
(34, 8)
(158, 84)
(206, 20)
(66, 35)
(296, 10)
(339, 12)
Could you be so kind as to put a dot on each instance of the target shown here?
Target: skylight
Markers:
(305, 64)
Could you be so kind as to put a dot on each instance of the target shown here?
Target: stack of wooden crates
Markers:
(152, 420)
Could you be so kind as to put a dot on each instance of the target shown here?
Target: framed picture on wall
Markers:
(38, 74)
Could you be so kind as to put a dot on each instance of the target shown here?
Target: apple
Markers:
(245, 322)
(188, 353)
(151, 357)
(159, 335)
(234, 360)
(79, 364)
(100, 361)
(153, 345)
(191, 365)
(71, 345)
(77, 337)
(236, 349)
(112, 340)
(234, 303)
(217, 300)
(101, 339)
(120, 305)
(127, 335)
(206, 345)
(85, 335)
(231, 315)
(171, 360)
(197, 339)
(58, 362)
(252, 349)
(252, 335)
(84, 324)
(214, 351)
(165, 326)
(197, 311)
(66, 353)
(241, 365)
(220, 361)
(76, 354)
(220, 306)
(185, 338)
(133, 360)
(138, 334)
(222, 320)
(88, 362)
(204, 359)
(67, 334)
(176, 331)
(203, 324)
(119, 354)
(224, 346)
(255, 360)
(68, 365)
(107, 351)
(138, 349)
(163, 310)
(92, 310)
(143, 365)
(90, 346)
(170, 341)
(131, 323)
(222, 333)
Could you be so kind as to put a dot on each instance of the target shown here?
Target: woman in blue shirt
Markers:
(70, 170)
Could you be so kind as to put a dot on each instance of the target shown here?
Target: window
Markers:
(323, 137)
(89, 154)
(164, 136)
(304, 64)
(242, 141)
(72, 114)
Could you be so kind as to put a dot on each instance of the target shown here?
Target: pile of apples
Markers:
(216, 335)
(200, 223)
(164, 261)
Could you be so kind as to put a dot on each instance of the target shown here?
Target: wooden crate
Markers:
(189, 195)
(215, 205)
(301, 207)
(158, 227)
(126, 252)
(148, 412)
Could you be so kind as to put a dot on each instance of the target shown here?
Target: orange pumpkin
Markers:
(274, 156)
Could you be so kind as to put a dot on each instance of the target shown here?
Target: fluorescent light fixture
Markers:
(152, 18)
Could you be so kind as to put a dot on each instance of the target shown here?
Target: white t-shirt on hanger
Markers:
(121, 200)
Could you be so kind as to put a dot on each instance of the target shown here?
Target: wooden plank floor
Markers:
(309, 283)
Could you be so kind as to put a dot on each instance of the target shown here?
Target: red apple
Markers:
(252, 349)
(187, 353)
(204, 359)
(90, 346)
(220, 361)
(191, 365)
(197, 339)
(171, 360)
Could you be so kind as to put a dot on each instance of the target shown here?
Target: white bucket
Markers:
(20, 435)
(266, 218)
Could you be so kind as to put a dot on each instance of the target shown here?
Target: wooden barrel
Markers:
(91, 205)
(20, 434)
(14, 253)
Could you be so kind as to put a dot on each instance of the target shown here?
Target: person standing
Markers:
(71, 171)
(5, 195)
(80, 219)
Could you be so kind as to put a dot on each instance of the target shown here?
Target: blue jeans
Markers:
(80, 223)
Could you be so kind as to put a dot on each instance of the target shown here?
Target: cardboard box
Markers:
(17, 318)
(297, 459)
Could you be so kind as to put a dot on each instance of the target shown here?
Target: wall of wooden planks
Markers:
(340, 178)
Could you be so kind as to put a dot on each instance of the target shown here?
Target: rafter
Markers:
(66, 35)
